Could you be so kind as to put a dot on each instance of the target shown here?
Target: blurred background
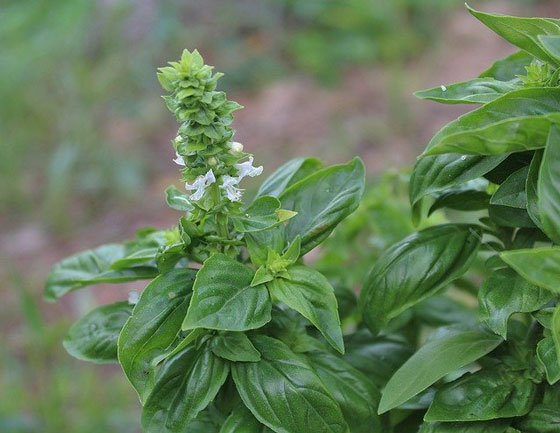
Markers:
(86, 154)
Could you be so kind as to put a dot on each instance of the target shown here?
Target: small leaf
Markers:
(476, 91)
(310, 294)
(184, 385)
(450, 349)
(94, 337)
(504, 293)
(177, 200)
(531, 188)
(482, 396)
(415, 268)
(223, 298)
(241, 420)
(549, 186)
(153, 326)
(234, 346)
(284, 393)
(540, 266)
(509, 67)
(262, 214)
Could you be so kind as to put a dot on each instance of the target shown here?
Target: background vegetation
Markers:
(85, 143)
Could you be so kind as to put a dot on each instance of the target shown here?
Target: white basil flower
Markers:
(229, 185)
(246, 169)
(200, 184)
(179, 160)
(236, 147)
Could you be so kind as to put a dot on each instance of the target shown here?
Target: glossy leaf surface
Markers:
(549, 186)
(540, 266)
(288, 174)
(475, 91)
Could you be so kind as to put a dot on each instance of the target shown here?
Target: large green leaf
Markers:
(434, 174)
(288, 174)
(548, 358)
(508, 205)
(377, 356)
(357, 396)
(544, 417)
(497, 426)
(540, 266)
(310, 294)
(484, 395)
(92, 267)
(284, 392)
(223, 298)
(522, 32)
(475, 91)
(415, 268)
(94, 337)
(504, 293)
(184, 385)
(153, 326)
(514, 122)
(509, 67)
(549, 186)
(450, 349)
(322, 200)
(442, 311)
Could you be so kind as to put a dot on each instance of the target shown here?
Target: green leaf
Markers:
(504, 293)
(322, 200)
(540, 266)
(514, 122)
(551, 45)
(476, 91)
(357, 396)
(234, 346)
(555, 330)
(258, 244)
(496, 426)
(287, 175)
(184, 385)
(549, 186)
(543, 418)
(177, 200)
(153, 326)
(508, 205)
(241, 420)
(415, 268)
(434, 174)
(466, 200)
(522, 32)
(223, 298)
(509, 67)
(441, 311)
(450, 349)
(310, 294)
(531, 187)
(377, 356)
(262, 214)
(548, 358)
(284, 393)
(92, 267)
(94, 337)
(484, 395)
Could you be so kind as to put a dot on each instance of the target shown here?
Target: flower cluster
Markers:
(204, 146)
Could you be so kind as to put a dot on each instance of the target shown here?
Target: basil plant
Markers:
(456, 328)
